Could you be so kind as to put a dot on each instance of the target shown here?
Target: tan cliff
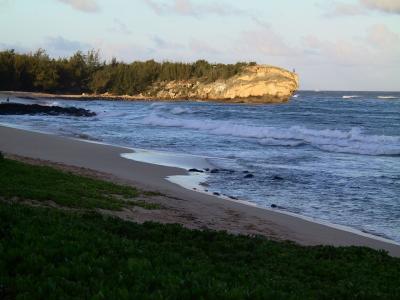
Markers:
(255, 84)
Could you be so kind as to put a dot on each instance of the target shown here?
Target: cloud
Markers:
(120, 27)
(89, 6)
(380, 37)
(201, 47)
(362, 7)
(263, 40)
(163, 44)
(379, 47)
(366, 62)
(190, 8)
(389, 6)
(344, 9)
(59, 46)
(16, 46)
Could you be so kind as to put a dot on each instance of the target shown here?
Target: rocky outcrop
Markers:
(255, 84)
(34, 109)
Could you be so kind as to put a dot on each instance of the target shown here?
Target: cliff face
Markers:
(255, 84)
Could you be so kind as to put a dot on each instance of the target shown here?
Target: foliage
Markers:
(87, 73)
(79, 255)
(47, 184)
(85, 255)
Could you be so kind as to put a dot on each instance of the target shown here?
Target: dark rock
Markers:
(214, 171)
(34, 109)
(277, 206)
(206, 169)
(196, 170)
(277, 177)
(232, 197)
(216, 194)
(245, 172)
(249, 176)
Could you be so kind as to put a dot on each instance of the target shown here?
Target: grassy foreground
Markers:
(48, 253)
(42, 183)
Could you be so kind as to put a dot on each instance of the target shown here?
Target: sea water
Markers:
(334, 156)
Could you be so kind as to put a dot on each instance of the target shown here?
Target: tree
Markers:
(86, 73)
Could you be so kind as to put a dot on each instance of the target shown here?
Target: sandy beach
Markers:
(189, 208)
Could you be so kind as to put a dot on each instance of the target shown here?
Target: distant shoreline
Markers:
(110, 97)
(81, 97)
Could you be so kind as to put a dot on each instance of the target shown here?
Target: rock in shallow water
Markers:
(195, 170)
(249, 176)
(277, 206)
(35, 109)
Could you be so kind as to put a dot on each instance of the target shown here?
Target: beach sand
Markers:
(189, 208)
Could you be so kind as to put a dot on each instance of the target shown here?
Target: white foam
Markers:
(155, 104)
(169, 159)
(54, 103)
(350, 96)
(352, 141)
(179, 110)
(388, 97)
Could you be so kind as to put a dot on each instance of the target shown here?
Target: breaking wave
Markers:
(179, 110)
(332, 140)
(175, 110)
(350, 96)
(388, 97)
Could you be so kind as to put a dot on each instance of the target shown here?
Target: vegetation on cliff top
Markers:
(86, 72)
(82, 254)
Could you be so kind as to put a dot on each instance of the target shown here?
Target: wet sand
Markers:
(189, 208)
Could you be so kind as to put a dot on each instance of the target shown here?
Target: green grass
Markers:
(67, 254)
(42, 183)
(47, 253)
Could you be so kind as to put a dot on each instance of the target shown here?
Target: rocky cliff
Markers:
(255, 84)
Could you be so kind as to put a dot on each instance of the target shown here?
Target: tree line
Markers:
(87, 73)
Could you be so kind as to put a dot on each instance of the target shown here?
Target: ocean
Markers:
(331, 156)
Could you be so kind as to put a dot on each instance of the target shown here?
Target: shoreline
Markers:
(189, 181)
(205, 210)
(139, 97)
(77, 97)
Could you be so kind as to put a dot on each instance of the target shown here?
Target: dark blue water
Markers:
(323, 154)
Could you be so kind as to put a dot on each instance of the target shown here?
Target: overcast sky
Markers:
(333, 45)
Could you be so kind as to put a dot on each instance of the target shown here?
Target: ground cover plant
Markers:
(61, 254)
(42, 183)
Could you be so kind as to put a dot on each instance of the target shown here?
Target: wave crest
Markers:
(387, 97)
(332, 140)
(350, 96)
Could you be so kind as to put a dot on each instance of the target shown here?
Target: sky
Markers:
(332, 45)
